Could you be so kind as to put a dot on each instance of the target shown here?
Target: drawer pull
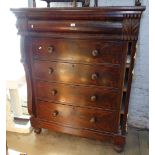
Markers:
(93, 98)
(94, 76)
(55, 113)
(50, 70)
(54, 92)
(50, 49)
(95, 53)
(93, 120)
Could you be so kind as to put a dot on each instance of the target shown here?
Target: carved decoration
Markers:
(131, 23)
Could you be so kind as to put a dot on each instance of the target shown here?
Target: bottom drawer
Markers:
(78, 117)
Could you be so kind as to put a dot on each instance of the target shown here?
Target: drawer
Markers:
(77, 73)
(75, 26)
(77, 95)
(87, 51)
(77, 117)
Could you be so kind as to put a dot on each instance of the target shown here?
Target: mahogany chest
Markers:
(79, 66)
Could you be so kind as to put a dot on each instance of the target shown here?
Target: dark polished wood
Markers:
(119, 142)
(37, 130)
(74, 26)
(77, 117)
(129, 82)
(98, 51)
(78, 95)
(77, 68)
(101, 75)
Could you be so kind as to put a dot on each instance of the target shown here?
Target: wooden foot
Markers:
(119, 143)
(37, 130)
(118, 148)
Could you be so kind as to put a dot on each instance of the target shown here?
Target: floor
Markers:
(52, 143)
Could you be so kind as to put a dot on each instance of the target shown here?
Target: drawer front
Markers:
(77, 95)
(76, 116)
(75, 26)
(96, 51)
(77, 73)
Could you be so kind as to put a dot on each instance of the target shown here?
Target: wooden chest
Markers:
(79, 65)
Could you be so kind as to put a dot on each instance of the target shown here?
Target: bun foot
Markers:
(118, 143)
(118, 149)
(37, 130)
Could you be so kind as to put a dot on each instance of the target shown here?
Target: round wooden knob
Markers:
(95, 53)
(50, 70)
(50, 49)
(54, 92)
(94, 76)
(93, 120)
(55, 113)
(93, 98)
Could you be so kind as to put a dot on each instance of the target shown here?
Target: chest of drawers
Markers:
(78, 80)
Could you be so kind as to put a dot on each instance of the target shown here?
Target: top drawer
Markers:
(85, 51)
(75, 26)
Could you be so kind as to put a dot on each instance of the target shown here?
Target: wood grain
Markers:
(78, 50)
(84, 96)
(77, 117)
(73, 73)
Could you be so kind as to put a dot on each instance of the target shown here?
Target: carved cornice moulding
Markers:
(127, 17)
(131, 24)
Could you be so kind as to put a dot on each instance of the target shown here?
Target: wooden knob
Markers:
(50, 70)
(93, 98)
(55, 113)
(54, 92)
(95, 53)
(93, 120)
(50, 49)
(94, 76)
